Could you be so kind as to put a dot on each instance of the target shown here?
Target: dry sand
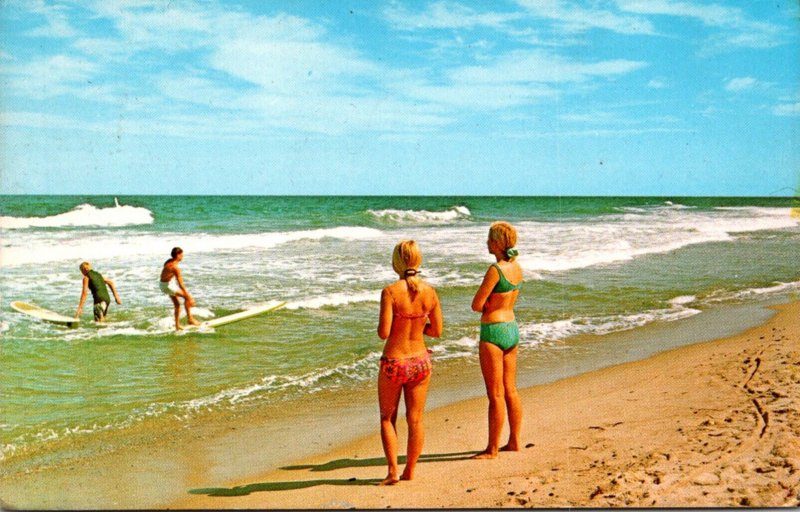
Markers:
(713, 424)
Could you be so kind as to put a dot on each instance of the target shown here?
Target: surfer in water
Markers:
(98, 285)
(171, 283)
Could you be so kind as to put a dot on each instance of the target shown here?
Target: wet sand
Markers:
(712, 424)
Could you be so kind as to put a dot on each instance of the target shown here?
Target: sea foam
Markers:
(102, 246)
(85, 215)
(562, 246)
(421, 216)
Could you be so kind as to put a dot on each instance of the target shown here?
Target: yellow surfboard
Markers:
(44, 314)
(242, 315)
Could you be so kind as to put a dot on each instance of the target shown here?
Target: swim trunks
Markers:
(407, 370)
(170, 288)
(100, 311)
(503, 334)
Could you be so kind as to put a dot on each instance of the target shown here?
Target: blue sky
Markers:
(531, 97)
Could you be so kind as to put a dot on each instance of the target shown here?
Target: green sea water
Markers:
(592, 266)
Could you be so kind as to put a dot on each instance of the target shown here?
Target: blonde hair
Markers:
(504, 234)
(406, 260)
(85, 266)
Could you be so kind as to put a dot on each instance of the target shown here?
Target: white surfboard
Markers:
(241, 315)
(44, 314)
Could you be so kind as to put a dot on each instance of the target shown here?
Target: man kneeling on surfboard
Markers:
(98, 285)
(171, 284)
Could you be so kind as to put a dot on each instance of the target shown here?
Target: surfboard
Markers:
(44, 314)
(241, 315)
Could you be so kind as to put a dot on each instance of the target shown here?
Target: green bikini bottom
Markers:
(503, 334)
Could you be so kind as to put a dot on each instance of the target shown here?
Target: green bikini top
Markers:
(504, 285)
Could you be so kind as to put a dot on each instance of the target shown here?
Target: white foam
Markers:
(683, 300)
(359, 370)
(749, 293)
(84, 215)
(531, 334)
(562, 246)
(335, 299)
(102, 246)
(422, 216)
(466, 346)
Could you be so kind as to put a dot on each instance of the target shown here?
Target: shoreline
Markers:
(229, 450)
(710, 424)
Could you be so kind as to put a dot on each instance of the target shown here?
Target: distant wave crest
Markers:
(421, 216)
(84, 215)
(102, 247)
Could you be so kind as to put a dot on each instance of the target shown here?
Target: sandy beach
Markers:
(712, 424)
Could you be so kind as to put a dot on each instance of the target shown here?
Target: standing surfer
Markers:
(171, 283)
(98, 285)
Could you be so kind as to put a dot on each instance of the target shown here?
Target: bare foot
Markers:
(193, 321)
(389, 480)
(510, 447)
(178, 328)
(407, 475)
(486, 454)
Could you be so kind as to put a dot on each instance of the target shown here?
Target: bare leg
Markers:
(491, 357)
(389, 399)
(513, 404)
(177, 306)
(189, 318)
(415, 395)
(188, 302)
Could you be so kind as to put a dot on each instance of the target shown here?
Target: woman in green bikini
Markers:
(495, 301)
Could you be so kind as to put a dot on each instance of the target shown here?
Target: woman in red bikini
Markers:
(409, 309)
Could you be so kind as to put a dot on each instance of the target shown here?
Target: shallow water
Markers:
(592, 266)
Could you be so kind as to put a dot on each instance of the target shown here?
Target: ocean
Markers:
(593, 267)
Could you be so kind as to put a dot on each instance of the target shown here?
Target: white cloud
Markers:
(289, 65)
(542, 67)
(477, 96)
(744, 32)
(656, 84)
(51, 76)
(151, 25)
(34, 120)
(197, 90)
(576, 18)
(446, 15)
(56, 22)
(741, 84)
(709, 14)
(787, 109)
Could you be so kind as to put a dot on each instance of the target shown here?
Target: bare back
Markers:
(404, 317)
(169, 271)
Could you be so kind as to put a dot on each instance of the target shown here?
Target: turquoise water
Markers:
(592, 266)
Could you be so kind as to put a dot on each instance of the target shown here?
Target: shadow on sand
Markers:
(244, 490)
(380, 461)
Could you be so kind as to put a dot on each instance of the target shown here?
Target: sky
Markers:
(291, 97)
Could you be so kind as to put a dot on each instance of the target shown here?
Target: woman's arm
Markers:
(482, 295)
(436, 325)
(385, 316)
